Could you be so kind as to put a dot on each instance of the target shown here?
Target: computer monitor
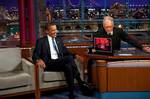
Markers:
(103, 45)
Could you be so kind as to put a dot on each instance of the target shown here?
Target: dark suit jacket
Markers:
(42, 49)
(118, 35)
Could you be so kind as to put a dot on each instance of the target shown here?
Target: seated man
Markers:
(116, 34)
(51, 55)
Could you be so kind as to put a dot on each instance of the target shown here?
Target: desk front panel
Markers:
(128, 79)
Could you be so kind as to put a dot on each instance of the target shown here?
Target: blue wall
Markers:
(94, 3)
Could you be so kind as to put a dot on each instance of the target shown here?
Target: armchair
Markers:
(16, 73)
(51, 80)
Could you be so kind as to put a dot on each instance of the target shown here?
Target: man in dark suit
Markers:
(51, 55)
(117, 35)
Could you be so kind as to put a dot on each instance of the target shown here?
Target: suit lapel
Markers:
(47, 45)
(104, 33)
(115, 32)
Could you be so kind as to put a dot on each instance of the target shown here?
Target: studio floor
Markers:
(107, 95)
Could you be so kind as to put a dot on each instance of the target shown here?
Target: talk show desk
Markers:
(120, 73)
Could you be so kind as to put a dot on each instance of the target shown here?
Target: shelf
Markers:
(99, 20)
(76, 31)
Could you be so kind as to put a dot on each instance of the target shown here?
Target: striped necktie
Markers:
(55, 46)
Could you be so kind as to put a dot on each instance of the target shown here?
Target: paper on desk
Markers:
(125, 54)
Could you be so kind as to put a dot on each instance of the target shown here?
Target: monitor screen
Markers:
(102, 44)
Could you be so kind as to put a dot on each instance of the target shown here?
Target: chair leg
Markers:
(37, 87)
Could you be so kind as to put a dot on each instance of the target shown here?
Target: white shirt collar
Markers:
(110, 33)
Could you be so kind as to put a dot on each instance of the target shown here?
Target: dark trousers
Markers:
(91, 63)
(68, 66)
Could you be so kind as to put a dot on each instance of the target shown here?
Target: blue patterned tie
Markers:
(55, 46)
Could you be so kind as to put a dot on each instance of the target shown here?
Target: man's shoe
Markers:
(71, 96)
(86, 89)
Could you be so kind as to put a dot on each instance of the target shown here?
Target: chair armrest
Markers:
(36, 73)
(28, 67)
(41, 71)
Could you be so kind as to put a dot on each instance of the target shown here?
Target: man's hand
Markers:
(41, 63)
(146, 49)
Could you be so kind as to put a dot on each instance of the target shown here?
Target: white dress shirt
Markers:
(53, 52)
(110, 33)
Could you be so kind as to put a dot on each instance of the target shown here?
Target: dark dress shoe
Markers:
(87, 89)
(71, 96)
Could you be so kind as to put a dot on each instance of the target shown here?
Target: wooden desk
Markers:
(87, 57)
(110, 79)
